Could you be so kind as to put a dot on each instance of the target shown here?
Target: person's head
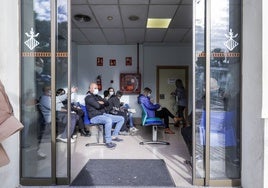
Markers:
(111, 91)
(106, 93)
(119, 94)
(60, 91)
(179, 83)
(47, 90)
(147, 91)
(39, 64)
(93, 88)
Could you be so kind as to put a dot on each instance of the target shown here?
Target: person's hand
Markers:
(100, 102)
(74, 89)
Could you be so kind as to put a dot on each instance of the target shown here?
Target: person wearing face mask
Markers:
(96, 109)
(155, 110)
(111, 91)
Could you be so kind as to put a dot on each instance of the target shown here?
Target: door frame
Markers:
(186, 81)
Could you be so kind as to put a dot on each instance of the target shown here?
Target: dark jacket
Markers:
(151, 108)
(180, 94)
(94, 108)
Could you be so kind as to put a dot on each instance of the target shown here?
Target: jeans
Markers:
(62, 116)
(108, 120)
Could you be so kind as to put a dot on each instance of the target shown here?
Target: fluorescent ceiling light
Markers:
(158, 22)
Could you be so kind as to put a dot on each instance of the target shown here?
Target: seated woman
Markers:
(117, 107)
(155, 110)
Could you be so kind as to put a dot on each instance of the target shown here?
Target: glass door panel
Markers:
(44, 69)
(217, 75)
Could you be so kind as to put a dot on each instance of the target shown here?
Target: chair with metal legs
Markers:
(154, 122)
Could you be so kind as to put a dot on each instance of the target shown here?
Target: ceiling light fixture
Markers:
(158, 22)
(110, 18)
(82, 18)
(133, 18)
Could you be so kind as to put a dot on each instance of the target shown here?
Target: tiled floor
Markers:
(174, 154)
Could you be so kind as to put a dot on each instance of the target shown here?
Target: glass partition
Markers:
(217, 112)
(40, 79)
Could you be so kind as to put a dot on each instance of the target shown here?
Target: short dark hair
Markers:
(119, 93)
(147, 90)
(106, 93)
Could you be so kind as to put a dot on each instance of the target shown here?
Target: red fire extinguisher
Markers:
(98, 81)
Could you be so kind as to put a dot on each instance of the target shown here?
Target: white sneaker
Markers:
(133, 129)
(41, 155)
(74, 136)
(132, 110)
(65, 139)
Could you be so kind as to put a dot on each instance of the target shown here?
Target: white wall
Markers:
(252, 124)
(166, 55)
(9, 75)
(150, 57)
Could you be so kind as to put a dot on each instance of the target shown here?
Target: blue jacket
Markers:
(150, 107)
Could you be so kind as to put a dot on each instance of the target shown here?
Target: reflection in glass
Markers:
(36, 86)
(225, 65)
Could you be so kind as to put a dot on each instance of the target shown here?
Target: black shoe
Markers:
(84, 133)
(110, 145)
(117, 139)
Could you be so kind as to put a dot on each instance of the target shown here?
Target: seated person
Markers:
(61, 114)
(96, 105)
(155, 110)
(76, 107)
(117, 107)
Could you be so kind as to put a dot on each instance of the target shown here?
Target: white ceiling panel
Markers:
(175, 35)
(114, 36)
(137, 10)
(162, 11)
(103, 2)
(133, 2)
(183, 17)
(135, 35)
(165, 2)
(77, 36)
(103, 11)
(95, 36)
(155, 35)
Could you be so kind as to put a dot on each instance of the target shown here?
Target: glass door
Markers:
(217, 81)
(45, 45)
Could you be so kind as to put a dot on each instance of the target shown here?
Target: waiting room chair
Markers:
(100, 128)
(155, 122)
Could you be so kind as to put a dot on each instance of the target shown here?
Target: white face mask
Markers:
(95, 91)
(149, 94)
(111, 93)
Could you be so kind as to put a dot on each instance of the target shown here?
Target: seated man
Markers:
(96, 105)
(155, 110)
(61, 113)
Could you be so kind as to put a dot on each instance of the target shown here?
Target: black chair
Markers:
(154, 122)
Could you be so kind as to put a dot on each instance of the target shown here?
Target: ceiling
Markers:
(120, 30)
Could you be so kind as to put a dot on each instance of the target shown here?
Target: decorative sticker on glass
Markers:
(31, 43)
(231, 43)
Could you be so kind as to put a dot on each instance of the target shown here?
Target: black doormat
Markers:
(124, 172)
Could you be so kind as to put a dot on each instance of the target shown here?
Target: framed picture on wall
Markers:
(112, 62)
(128, 61)
(130, 83)
(99, 61)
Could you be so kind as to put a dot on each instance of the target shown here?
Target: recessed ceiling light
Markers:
(158, 22)
(82, 18)
(133, 18)
(109, 18)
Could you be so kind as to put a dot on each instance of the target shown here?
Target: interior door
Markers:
(166, 77)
